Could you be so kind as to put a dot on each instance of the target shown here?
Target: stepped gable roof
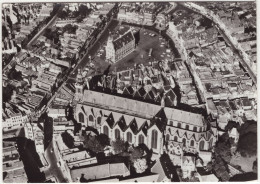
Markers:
(123, 40)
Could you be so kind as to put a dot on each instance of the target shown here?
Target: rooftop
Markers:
(99, 171)
(138, 108)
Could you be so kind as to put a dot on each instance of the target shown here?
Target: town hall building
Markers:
(118, 48)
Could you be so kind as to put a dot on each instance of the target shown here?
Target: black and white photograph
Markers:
(129, 91)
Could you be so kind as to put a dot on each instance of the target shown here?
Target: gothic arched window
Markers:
(141, 139)
(184, 142)
(192, 143)
(167, 137)
(105, 130)
(90, 118)
(154, 139)
(175, 139)
(99, 120)
(129, 137)
(81, 117)
(210, 143)
(117, 134)
(202, 143)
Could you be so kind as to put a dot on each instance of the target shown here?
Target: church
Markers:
(159, 128)
(118, 48)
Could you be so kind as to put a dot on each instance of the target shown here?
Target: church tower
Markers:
(79, 86)
(110, 50)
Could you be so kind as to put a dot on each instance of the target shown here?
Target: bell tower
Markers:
(110, 51)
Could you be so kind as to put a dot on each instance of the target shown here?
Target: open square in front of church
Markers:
(148, 40)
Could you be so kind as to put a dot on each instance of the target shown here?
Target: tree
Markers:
(136, 153)
(71, 29)
(67, 139)
(7, 92)
(93, 144)
(101, 17)
(231, 124)
(119, 146)
(221, 169)
(193, 178)
(140, 165)
(104, 139)
(248, 126)
(55, 9)
(62, 14)
(79, 19)
(223, 147)
(247, 144)
(83, 10)
(14, 74)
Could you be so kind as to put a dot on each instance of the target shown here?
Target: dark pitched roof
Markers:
(142, 91)
(122, 124)
(169, 98)
(164, 167)
(137, 95)
(133, 126)
(149, 97)
(144, 128)
(110, 120)
(125, 39)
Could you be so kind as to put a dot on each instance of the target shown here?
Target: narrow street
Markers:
(52, 156)
(80, 64)
(57, 168)
(52, 21)
(94, 48)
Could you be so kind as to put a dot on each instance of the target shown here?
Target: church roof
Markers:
(116, 103)
(140, 109)
(183, 116)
